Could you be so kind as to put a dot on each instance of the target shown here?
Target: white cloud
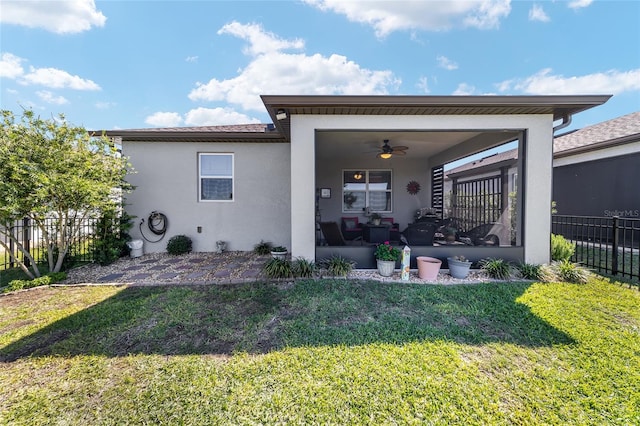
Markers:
(164, 119)
(546, 83)
(259, 40)
(11, 66)
(579, 4)
(191, 59)
(464, 89)
(61, 17)
(446, 63)
(537, 13)
(50, 98)
(389, 16)
(216, 116)
(423, 85)
(105, 105)
(57, 79)
(272, 71)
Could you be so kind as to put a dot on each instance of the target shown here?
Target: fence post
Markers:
(26, 241)
(616, 243)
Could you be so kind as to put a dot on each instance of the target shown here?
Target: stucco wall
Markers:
(537, 158)
(167, 181)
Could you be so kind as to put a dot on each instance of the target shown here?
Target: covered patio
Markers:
(340, 180)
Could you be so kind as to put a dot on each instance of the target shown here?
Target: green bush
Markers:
(337, 266)
(110, 242)
(561, 248)
(564, 271)
(278, 268)
(48, 279)
(262, 248)
(303, 268)
(498, 269)
(179, 244)
(529, 271)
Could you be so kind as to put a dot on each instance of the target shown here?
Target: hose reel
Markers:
(157, 223)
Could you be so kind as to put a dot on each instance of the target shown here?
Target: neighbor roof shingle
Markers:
(611, 130)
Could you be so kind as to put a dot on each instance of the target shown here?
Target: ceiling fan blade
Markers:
(394, 152)
(400, 148)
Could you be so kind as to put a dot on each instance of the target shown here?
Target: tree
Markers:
(56, 175)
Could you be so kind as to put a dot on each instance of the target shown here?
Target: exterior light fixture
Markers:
(281, 114)
(357, 175)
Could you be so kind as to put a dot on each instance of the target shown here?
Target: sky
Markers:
(140, 64)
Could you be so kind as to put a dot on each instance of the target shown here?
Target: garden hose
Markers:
(157, 224)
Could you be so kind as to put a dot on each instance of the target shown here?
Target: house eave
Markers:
(195, 136)
(558, 106)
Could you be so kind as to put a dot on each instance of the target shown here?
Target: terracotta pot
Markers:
(428, 267)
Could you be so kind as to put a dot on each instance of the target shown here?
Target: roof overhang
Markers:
(559, 106)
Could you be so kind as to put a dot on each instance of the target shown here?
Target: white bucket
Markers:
(135, 247)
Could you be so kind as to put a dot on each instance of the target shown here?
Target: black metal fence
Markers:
(610, 245)
(32, 239)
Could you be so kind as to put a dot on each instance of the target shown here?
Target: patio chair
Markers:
(419, 234)
(394, 228)
(332, 234)
(486, 234)
(351, 228)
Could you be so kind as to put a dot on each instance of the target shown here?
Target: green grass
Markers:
(322, 352)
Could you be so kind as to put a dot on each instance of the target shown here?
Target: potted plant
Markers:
(376, 218)
(279, 252)
(386, 257)
(459, 266)
(450, 234)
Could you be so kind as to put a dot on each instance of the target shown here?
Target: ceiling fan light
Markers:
(385, 155)
(357, 175)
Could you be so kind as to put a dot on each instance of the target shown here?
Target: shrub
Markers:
(303, 268)
(262, 248)
(498, 269)
(564, 271)
(561, 248)
(278, 268)
(529, 271)
(179, 244)
(48, 279)
(338, 266)
(110, 242)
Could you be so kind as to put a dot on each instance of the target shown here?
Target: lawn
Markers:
(322, 352)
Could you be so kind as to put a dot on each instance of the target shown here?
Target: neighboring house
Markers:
(596, 170)
(321, 160)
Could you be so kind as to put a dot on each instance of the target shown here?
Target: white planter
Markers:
(279, 254)
(386, 267)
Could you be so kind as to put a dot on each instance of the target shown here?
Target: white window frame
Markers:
(231, 176)
(367, 189)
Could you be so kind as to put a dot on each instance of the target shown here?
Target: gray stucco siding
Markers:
(166, 180)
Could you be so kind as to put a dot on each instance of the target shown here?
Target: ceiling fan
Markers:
(387, 151)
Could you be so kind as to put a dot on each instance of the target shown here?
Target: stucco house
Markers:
(330, 158)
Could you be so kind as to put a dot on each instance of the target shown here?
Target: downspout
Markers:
(566, 120)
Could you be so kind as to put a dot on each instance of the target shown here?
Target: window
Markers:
(215, 177)
(366, 188)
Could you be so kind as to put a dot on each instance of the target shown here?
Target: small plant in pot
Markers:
(279, 252)
(386, 257)
(376, 218)
(459, 266)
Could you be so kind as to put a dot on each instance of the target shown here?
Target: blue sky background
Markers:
(138, 64)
